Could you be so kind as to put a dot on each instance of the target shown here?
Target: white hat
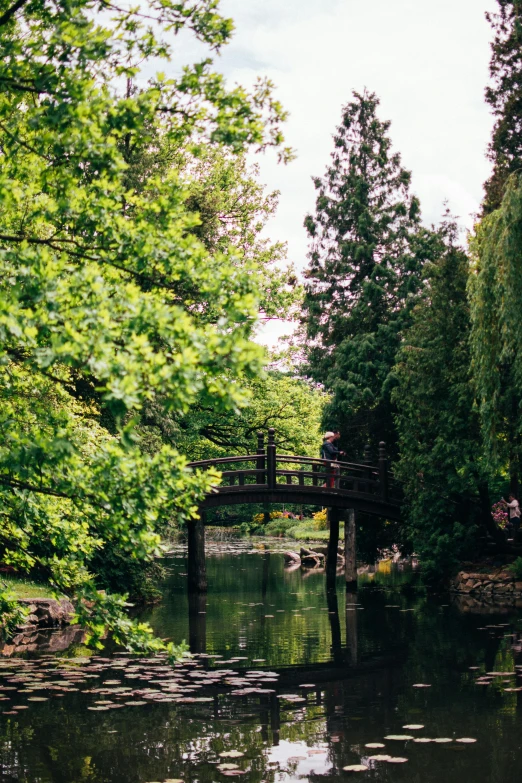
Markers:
(329, 435)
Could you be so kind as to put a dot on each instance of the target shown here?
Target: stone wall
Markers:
(495, 584)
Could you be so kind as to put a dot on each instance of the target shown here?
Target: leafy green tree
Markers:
(292, 406)
(495, 290)
(444, 473)
(366, 257)
(504, 95)
(104, 285)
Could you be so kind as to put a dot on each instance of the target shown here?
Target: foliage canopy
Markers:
(105, 283)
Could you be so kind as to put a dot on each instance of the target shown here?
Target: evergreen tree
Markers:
(445, 476)
(366, 258)
(505, 98)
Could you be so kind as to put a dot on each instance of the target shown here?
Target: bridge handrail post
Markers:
(260, 465)
(368, 462)
(271, 459)
(383, 470)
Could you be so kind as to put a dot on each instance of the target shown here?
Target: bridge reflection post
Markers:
(197, 622)
(333, 544)
(351, 628)
(196, 565)
(335, 625)
(350, 553)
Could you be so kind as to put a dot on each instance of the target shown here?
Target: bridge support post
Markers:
(333, 543)
(197, 570)
(350, 554)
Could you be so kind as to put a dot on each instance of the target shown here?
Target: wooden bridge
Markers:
(268, 477)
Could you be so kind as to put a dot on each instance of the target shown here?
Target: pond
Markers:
(287, 684)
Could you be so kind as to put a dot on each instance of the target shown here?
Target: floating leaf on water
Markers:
(231, 773)
(227, 766)
(396, 760)
(38, 698)
(443, 739)
(374, 745)
(231, 754)
(379, 757)
(135, 703)
(356, 768)
(421, 685)
(422, 739)
(466, 740)
(401, 737)
(413, 726)
(173, 780)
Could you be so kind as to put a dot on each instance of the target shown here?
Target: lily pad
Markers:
(374, 745)
(379, 757)
(231, 754)
(421, 685)
(413, 726)
(466, 740)
(356, 768)
(227, 766)
(400, 737)
(396, 760)
(441, 740)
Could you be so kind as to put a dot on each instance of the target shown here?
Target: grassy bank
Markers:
(305, 531)
(22, 587)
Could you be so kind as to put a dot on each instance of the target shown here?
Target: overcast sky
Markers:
(428, 63)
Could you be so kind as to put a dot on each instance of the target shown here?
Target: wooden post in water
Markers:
(333, 543)
(196, 570)
(350, 554)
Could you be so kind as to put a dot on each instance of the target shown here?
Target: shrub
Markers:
(12, 613)
(321, 520)
(516, 568)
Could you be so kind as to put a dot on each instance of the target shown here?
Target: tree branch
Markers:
(6, 16)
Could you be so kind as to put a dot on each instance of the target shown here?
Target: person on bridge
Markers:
(514, 516)
(330, 452)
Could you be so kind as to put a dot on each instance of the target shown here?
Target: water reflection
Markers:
(290, 682)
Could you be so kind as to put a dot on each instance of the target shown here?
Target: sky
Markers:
(428, 63)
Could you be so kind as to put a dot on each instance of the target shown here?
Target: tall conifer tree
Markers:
(504, 95)
(366, 257)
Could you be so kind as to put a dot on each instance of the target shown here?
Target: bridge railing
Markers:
(270, 470)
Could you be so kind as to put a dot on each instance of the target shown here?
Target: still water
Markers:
(287, 684)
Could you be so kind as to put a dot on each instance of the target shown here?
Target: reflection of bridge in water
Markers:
(266, 477)
(372, 674)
